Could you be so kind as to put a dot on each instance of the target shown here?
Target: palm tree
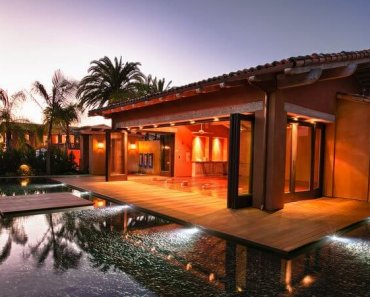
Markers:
(154, 85)
(62, 92)
(109, 82)
(8, 120)
(66, 116)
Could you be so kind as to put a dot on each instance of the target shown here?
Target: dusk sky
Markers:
(183, 41)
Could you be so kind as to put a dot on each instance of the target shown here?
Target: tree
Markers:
(154, 85)
(109, 82)
(9, 122)
(64, 116)
(62, 92)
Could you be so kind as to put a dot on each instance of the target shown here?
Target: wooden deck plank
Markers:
(298, 224)
(20, 204)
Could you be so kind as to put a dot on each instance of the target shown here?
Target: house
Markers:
(92, 149)
(280, 132)
(35, 135)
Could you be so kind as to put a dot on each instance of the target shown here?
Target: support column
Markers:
(275, 151)
(269, 153)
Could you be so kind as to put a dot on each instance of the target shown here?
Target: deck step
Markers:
(22, 204)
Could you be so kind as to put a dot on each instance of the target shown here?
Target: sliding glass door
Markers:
(303, 157)
(240, 161)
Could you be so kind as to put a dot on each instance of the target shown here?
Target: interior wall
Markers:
(151, 147)
(133, 154)
(97, 155)
(352, 150)
(329, 160)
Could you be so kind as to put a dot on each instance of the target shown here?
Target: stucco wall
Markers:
(97, 155)
(352, 151)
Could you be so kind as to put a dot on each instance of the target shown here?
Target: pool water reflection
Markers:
(115, 250)
(29, 186)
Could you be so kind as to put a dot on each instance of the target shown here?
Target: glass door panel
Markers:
(316, 177)
(303, 159)
(239, 192)
(167, 141)
(288, 158)
(245, 157)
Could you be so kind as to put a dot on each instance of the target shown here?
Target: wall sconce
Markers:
(100, 145)
(132, 146)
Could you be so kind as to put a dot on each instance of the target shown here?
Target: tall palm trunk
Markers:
(8, 139)
(48, 153)
(68, 140)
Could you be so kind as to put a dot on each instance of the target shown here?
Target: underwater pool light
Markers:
(339, 239)
(192, 230)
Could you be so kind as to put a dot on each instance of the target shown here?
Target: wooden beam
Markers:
(340, 72)
(266, 82)
(289, 81)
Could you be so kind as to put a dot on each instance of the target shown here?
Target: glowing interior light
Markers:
(100, 145)
(155, 126)
(212, 277)
(216, 119)
(189, 266)
(172, 124)
(192, 122)
(132, 146)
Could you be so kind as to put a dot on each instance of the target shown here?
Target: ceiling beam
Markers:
(340, 72)
(285, 81)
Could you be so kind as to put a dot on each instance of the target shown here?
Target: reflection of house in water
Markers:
(233, 267)
(169, 258)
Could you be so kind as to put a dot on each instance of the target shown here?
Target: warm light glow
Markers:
(25, 169)
(308, 280)
(192, 122)
(25, 182)
(172, 124)
(155, 126)
(216, 149)
(216, 119)
(200, 149)
(100, 145)
(212, 277)
(132, 146)
(189, 266)
(98, 203)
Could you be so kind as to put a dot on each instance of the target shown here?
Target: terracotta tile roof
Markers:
(275, 66)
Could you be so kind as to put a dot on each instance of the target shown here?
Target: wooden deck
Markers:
(21, 204)
(298, 224)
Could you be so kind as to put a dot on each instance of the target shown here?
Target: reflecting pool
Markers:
(115, 250)
(29, 186)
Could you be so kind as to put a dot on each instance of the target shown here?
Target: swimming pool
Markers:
(115, 250)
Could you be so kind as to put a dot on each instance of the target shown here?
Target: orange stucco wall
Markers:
(320, 96)
(97, 155)
(352, 151)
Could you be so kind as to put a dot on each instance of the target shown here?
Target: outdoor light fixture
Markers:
(155, 126)
(216, 119)
(100, 145)
(192, 122)
(172, 124)
(132, 146)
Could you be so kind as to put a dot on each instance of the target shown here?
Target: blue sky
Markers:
(183, 41)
